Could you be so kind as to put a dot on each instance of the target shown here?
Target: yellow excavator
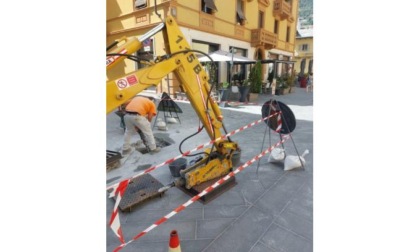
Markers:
(182, 61)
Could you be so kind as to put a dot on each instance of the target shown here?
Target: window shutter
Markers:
(210, 4)
(140, 3)
(240, 14)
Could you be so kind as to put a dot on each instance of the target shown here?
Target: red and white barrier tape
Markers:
(114, 186)
(115, 222)
(198, 196)
(279, 122)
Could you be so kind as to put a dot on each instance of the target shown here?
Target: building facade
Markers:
(256, 29)
(304, 50)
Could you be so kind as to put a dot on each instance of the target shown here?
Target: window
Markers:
(311, 62)
(240, 17)
(140, 4)
(276, 27)
(288, 34)
(208, 6)
(146, 53)
(261, 19)
(304, 47)
(302, 66)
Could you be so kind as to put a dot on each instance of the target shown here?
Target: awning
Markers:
(223, 56)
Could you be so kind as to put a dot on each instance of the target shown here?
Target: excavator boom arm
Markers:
(183, 63)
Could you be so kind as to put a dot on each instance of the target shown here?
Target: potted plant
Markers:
(279, 85)
(255, 79)
(244, 90)
(285, 89)
(224, 91)
(290, 82)
(282, 85)
(303, 81)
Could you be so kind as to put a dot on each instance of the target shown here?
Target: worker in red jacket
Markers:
(139, 114)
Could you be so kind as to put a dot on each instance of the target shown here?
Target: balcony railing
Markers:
(282, 9)
(263, 37)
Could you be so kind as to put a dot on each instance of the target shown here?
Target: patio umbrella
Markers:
(223, 56)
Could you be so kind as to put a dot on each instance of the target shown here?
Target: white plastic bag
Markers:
(171, 120)
(161, 124)
(292, 162)
(276, 155)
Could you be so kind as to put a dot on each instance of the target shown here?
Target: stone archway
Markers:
(302, 67)
(259, 53)
(311, 62)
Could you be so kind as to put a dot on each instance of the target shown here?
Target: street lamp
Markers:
(232, 51)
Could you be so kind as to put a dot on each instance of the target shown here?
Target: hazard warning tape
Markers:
(114, 186)
(279, 121)
(114, 222)
(198, 196)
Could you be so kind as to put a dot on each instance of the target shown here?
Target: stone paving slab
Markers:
(243, 233)
(280, 239)
(224, 211)
(259, 247)
(193, 245)
(293, 222)
(185, 229)
(150, 216)
(271, 210)
(211, 228)
(278, 196)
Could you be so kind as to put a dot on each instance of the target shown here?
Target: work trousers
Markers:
(141, 122)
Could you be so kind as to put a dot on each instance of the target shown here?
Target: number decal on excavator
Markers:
(190, 58)
(192, 76)
(197, 69)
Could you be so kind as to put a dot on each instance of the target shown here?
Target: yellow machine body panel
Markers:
(204, 171)
(194, 81)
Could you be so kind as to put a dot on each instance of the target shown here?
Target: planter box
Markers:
(224, 94)
(244, 91)
(234, 94)
(303, 83)
(253, 97)
(284, 91)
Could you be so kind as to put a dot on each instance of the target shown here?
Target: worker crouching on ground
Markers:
(139, 114)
